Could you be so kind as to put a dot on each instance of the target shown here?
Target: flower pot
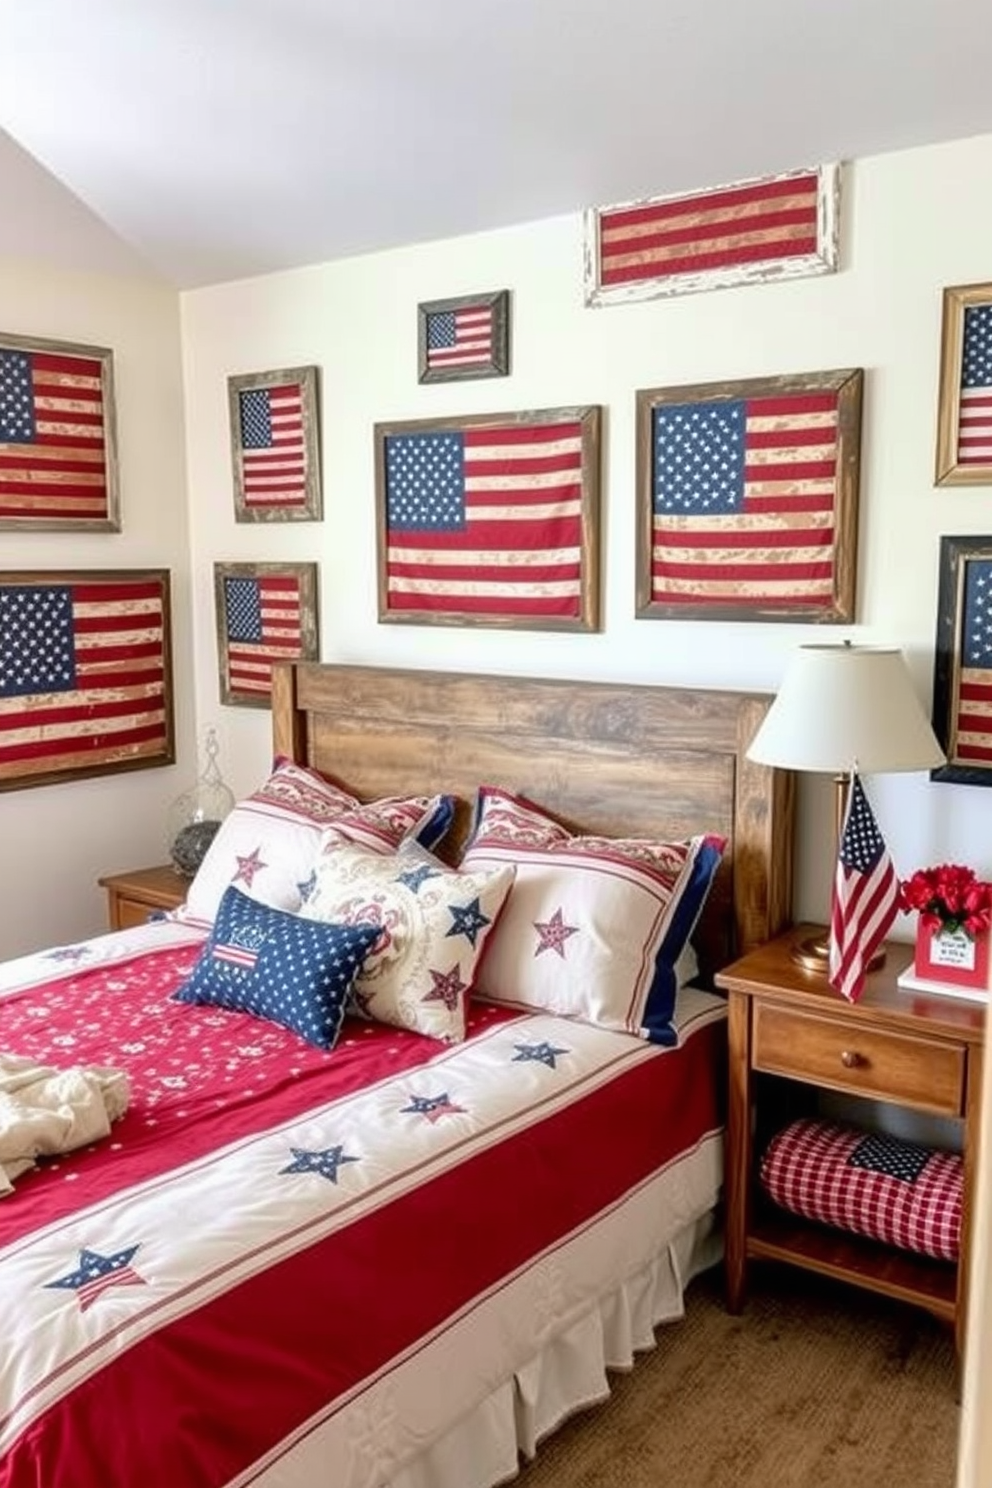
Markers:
(952, 956)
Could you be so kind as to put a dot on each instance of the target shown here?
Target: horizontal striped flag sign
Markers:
(275, 447)
(85, 674)
(58, 457)
(772, 228)
(266, 613)
(748, 499)
(490, 520)
(464, 337)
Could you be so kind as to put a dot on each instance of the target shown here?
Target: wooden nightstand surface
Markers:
(134, 896)
(920, 1051)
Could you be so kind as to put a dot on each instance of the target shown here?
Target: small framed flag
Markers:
(774, 227)
(275, 446)
(266, 612)
(491, 519)
(747, 505)
(58, 441)
(465, 337)
(85, 674)
(962, 679)
(964, 417)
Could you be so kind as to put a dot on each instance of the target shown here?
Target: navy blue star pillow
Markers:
(295, 972)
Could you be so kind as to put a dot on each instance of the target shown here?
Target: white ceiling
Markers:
(224, 138)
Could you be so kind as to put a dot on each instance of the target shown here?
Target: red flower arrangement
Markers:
(948, 898)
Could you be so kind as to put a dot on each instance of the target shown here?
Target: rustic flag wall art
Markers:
(964, 418)
(465, 337)
(774, 227)
(748, 499)
(266, 612)
(85, 674)
(58, 443)
(275, 446)
(491, 519)
(962, 677)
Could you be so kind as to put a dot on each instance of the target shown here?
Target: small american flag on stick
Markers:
(776, 227)
(83, 674)
(57, 461)
(865, 896)
(265, 615)
(489, 521)
(747, 508)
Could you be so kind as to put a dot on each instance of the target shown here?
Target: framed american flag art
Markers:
(748, 499)
(275, 446)
(85, 674)
(772, 227)
(491, 519)
(465, 337)
(58, 440)
(964, 416)
(266, 612)
(962, 681)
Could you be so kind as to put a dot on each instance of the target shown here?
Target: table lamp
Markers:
(844, 708)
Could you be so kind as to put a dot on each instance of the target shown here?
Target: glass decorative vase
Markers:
(195, 816)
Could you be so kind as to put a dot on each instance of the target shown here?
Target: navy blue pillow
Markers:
(297, 973)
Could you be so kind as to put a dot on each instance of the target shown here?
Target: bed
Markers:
(402, 1256)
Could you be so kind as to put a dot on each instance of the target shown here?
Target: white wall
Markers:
(56, 840)
(911, 223)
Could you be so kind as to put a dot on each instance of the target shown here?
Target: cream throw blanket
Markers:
(45, 1110)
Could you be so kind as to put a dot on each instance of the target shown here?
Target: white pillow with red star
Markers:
(267, 847)
(594, 927)
(435, 923)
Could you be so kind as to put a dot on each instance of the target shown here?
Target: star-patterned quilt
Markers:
(280, 1246)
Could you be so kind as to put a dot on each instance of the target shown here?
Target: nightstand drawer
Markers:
(131, 912)
(889, 1066)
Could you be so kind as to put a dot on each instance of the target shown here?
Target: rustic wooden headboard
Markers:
(620, 759)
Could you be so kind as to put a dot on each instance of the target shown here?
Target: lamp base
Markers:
(812, 953)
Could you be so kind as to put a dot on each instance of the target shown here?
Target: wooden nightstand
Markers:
(905, 1048)
(132, 898)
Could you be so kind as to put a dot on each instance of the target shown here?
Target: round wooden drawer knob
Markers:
(851, 1059)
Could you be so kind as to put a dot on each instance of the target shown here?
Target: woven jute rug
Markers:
(815, 1385)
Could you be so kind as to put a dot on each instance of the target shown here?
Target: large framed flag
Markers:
(964, 415)
(491, 519)
(266, 612)
(748, 499)
(58, 442)
(468, 336)
(773, 227)
(275, 445)
(962, 679)
(85, 674)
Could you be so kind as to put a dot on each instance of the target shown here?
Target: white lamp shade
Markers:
(843, 708)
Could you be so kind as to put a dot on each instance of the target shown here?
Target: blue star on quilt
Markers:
(433, 1107)
(543, 1053)
(326, 1163)
(552, 934)
(96, 1273)
(414, 877)
(468, 920)
(248, 865)
(68, 953)
(448, 988)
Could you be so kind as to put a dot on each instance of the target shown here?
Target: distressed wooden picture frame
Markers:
(490, 520)
(275, 445)
(964, 409)
(465, 337)
(58, 437)
(962, 680)
(747, 499)
(752, 231)
(266, 612)
(85, 674)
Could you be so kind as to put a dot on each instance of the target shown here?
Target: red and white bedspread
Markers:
(288, 1267)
